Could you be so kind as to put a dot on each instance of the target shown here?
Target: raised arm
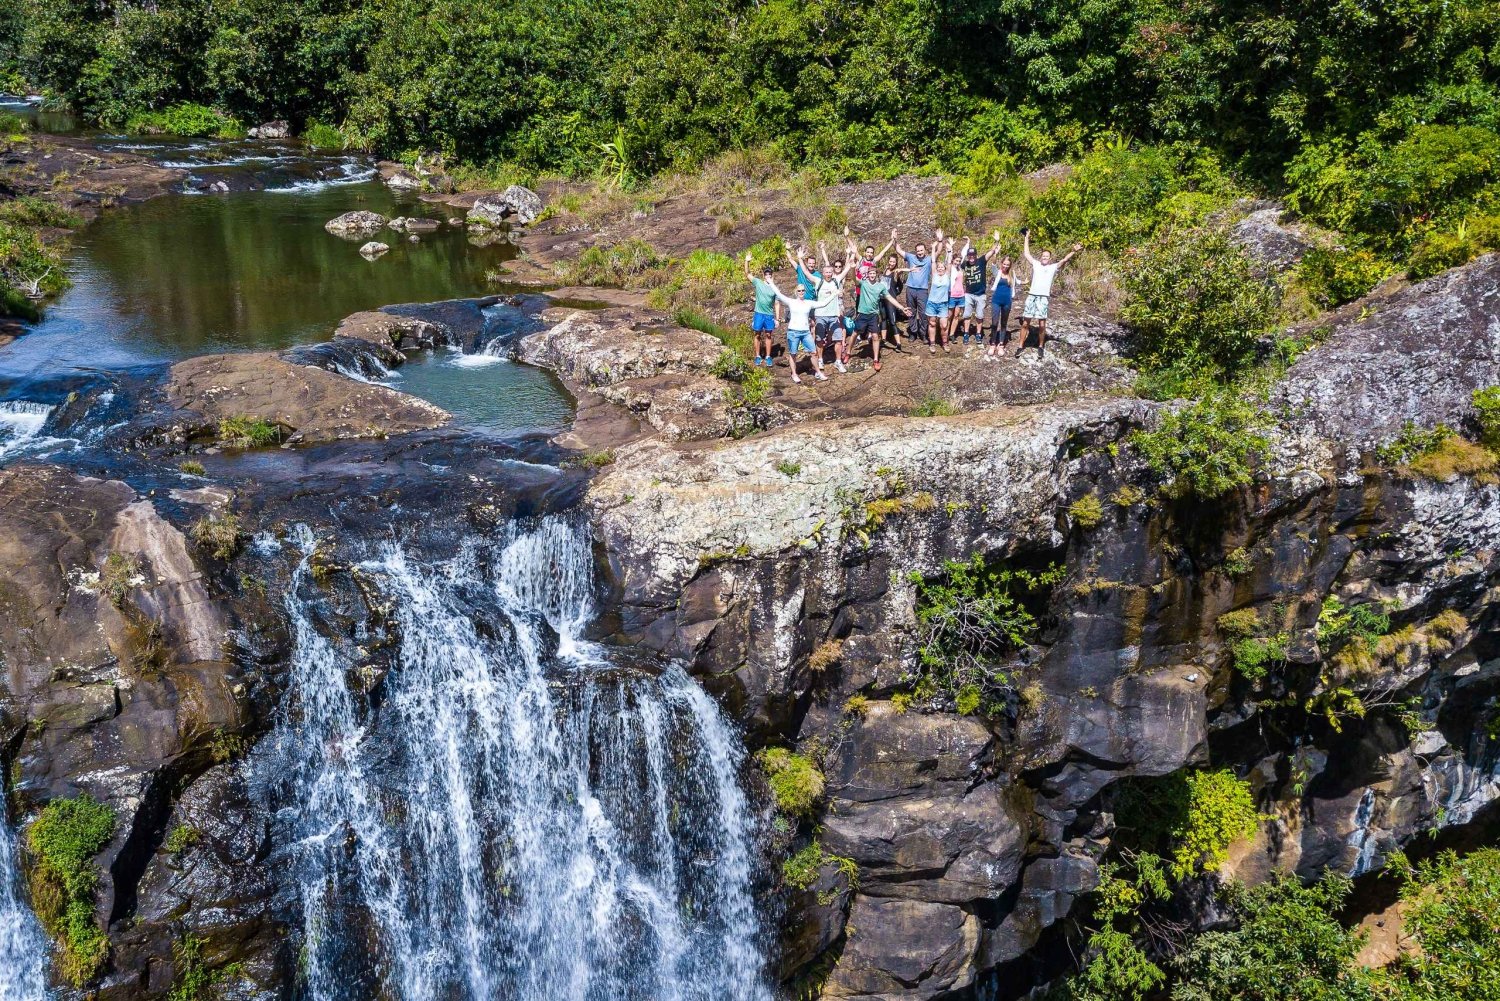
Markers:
(896, 242)
(790, 258)
(1071, 254)
(989, 255)
(1026, 248)
(748, 278)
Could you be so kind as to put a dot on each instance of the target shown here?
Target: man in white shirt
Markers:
(1039, 293)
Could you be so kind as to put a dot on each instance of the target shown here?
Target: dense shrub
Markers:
(29, 269)
(1196, 304)
(1332, 276)
(1118, 195)
(1205, 448)
(187, 120)
(63, 841)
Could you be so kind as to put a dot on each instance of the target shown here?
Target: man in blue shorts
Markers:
(767, 313)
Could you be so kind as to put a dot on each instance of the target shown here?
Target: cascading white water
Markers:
(517, 818)
(23, 950)
(21, 421)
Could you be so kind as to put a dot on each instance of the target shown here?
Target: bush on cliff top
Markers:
(63, 842)
(1205, 448)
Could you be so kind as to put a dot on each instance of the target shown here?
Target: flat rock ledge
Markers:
(671, 508)
(314, 404)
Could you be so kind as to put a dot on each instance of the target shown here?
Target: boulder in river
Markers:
(515, 204)
(373, 249)
(399, 178)
(276, 129)
(356, 225)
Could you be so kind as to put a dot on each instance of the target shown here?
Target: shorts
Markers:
(800, 340)
(867, 323)
(973, 306)
(1036, 307)
(937, 309)
(763, 323)
(956, 303)
(830, 328)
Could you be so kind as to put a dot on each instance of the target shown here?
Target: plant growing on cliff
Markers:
(120, 573)
(248, 432)
(63, 842)
(1437, 454)
(970, 617)
(220, 535)
(796, 783)
(1205, 448)
(1087, 511)
(1255, 655)
(802, 869)
(1487, 416)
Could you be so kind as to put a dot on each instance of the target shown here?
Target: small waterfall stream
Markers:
(514, 817)
(23, 950)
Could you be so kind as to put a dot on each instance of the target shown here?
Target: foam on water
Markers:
(21, 423)
(23, 949)
(518, 817)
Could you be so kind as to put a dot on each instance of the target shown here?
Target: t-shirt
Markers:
(940, 284)
(798, 311)
(920, 275)
(833, 306)
(976, 276)
(765, 296)
(809, 281)
(1041, 278)
(870, 293)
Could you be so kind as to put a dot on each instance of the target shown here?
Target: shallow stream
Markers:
(252, 269)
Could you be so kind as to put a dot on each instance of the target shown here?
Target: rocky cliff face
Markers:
(779, 568)
(141, 664)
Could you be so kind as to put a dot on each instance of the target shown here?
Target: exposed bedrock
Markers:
(779, 568)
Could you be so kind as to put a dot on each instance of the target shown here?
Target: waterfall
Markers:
(21, 422)
(515, 816)
(23, 949)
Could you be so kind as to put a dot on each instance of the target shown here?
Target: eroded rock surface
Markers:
(1414, 355)
(311, 403)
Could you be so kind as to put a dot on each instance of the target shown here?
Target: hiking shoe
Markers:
(840, 366)
(820, 377)
(795, 379)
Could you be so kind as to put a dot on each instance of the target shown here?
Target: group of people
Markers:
(941, 295)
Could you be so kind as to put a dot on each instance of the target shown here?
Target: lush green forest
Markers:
(1281, 88)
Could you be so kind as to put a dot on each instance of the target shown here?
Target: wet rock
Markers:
(1415, 355)
(276, 129)
(313, 403)
(356, 225)
(514, 205)
(905, 949)
(607, 347)
(910, 804)
(373, 249)
(114, 674)
(398, 178)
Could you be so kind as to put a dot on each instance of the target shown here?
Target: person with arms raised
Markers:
(1039, 293)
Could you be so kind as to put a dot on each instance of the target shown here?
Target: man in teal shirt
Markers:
(767, 313)
(872, 289)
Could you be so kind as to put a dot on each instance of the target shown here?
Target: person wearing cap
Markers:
(976, 272)
(766, 315)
